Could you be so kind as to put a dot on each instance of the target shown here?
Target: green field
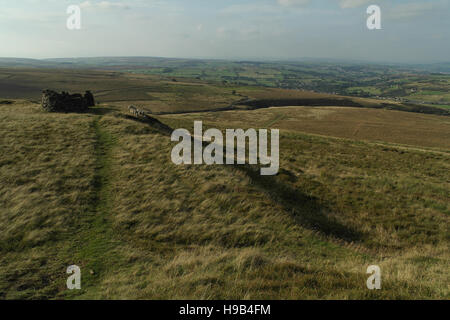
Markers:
(158, 94)
(420, 84)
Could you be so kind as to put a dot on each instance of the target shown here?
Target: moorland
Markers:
(362, 181)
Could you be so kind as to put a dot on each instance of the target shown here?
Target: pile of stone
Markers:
(65, 102)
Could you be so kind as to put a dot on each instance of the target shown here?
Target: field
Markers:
(374, 125)
(158, 94)
(358, 185)
(362, 80)
(418, 84)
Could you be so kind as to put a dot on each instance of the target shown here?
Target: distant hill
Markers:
(21, 62)
(435, 67)
(179, 62)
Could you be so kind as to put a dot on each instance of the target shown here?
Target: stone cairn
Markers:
(65, 102)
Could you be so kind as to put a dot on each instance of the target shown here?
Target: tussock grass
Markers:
(143, 228)
(46, 171)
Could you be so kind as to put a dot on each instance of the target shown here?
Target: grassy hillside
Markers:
(99, 190)
(374, 125)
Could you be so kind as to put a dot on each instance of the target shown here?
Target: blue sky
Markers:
(412, 31)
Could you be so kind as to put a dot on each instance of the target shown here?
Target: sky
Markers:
(411, 31)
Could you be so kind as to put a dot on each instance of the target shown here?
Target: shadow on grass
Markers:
(153, 123)
(306, 210)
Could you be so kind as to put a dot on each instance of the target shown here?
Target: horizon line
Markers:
(240, 59)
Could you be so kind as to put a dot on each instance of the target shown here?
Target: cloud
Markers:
(292, 3)
(266, 9)
(411, 10)
(249, 8)
(345, 4)
(104, 5)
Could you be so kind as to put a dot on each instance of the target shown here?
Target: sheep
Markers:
(138, 113)
(132, 110)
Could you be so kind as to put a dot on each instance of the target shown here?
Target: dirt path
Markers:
(95, 243)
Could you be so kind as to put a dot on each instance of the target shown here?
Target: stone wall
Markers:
(65, 102)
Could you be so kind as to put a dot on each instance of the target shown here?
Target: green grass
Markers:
(443, 106)
(95, 241)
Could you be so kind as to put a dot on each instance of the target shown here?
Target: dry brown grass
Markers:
(353, 123)
(116, 205)
(46, 170)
